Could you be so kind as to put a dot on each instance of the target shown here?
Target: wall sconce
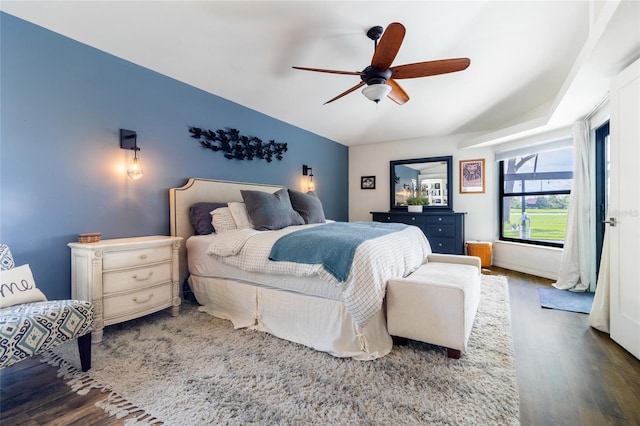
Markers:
(308, 171)
(128, 140)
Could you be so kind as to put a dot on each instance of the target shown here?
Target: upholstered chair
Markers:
(30, 324)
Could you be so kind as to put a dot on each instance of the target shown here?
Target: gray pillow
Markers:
(308, 205)
(270, 211)
(200, 215)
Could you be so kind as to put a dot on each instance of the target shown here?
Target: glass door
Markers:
(602, 186)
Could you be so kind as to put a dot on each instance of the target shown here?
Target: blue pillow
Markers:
(307, 205)
(200, 215)
(270, 211)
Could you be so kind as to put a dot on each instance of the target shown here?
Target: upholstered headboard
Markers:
(198, 190)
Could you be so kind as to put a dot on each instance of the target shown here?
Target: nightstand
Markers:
(126, 278)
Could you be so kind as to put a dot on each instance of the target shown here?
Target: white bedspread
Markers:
(377, 260)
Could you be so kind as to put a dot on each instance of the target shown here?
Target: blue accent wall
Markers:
(62, 104)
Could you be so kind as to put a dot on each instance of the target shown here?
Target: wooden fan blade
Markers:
(329, 71)
(397, 94)
(356, 87)
(388, 46)
(425, 69)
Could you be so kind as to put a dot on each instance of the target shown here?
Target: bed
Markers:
(307, 304)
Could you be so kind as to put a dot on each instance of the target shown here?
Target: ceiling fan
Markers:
(380, 77)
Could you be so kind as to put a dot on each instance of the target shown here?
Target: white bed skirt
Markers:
(322, 324)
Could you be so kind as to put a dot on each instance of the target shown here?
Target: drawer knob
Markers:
(439, 244)
(143, 256)
(439, 229)
(135, 299)
(440, 219)
(135, 277)
(413, 218)
(388, 217)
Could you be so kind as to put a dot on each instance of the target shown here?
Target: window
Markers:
(534, 195)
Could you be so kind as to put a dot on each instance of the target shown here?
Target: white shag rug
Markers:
(195, 369)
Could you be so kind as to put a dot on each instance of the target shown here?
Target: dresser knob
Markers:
(388, 217)
(439, 244)
(439, 229)
(143, 256)
(440, 219)
(413, 218)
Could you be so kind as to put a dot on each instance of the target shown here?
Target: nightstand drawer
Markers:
(128, 258)
(139, 301)
(131, 279)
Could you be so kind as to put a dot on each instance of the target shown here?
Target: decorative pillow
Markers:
(6, 260)
(18, 287)
(240, 215)
(200, 215)
(308, 205)
(271, 211)
(223, 220)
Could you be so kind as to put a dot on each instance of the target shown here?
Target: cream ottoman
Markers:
(437, 303)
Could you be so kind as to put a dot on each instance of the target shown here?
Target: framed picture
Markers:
(368, 182)
(472, 176)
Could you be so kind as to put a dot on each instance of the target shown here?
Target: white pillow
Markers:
(18, 286)
(240, 215)
(230, 243)
(222, 220)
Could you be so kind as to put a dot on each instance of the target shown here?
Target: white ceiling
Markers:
(534, 64)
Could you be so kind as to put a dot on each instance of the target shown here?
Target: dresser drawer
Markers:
(411, 220)
(137, 257)
(440, 231)
(441, 220)
(442, 245)
(138, 301)
(383, 217)
(133, 278)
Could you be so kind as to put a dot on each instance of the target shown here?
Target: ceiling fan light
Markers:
(376, 92)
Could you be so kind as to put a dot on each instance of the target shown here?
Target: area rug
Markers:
(565, 300)
(197, 370)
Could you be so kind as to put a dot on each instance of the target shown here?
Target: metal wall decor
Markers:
(235, 145)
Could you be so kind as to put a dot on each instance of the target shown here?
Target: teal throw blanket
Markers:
(333, 245)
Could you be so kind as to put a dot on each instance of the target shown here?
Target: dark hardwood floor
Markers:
(567, 372)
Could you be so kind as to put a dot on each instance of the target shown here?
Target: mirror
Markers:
(428, 177)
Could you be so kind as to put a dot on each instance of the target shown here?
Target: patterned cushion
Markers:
(32, 328)
(6, 260)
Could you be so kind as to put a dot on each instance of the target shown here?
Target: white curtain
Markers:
(599, 316)
(574, 267)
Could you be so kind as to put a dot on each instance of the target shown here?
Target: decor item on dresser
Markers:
(310, 299)
(428, 177)
(235, 145)
(30, 324)
(126, 278)
(472, 176)
(368, 182)
(444, 229)
(415, 204)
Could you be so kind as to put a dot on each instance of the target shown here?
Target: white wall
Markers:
(482, 215)
(373, 160)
